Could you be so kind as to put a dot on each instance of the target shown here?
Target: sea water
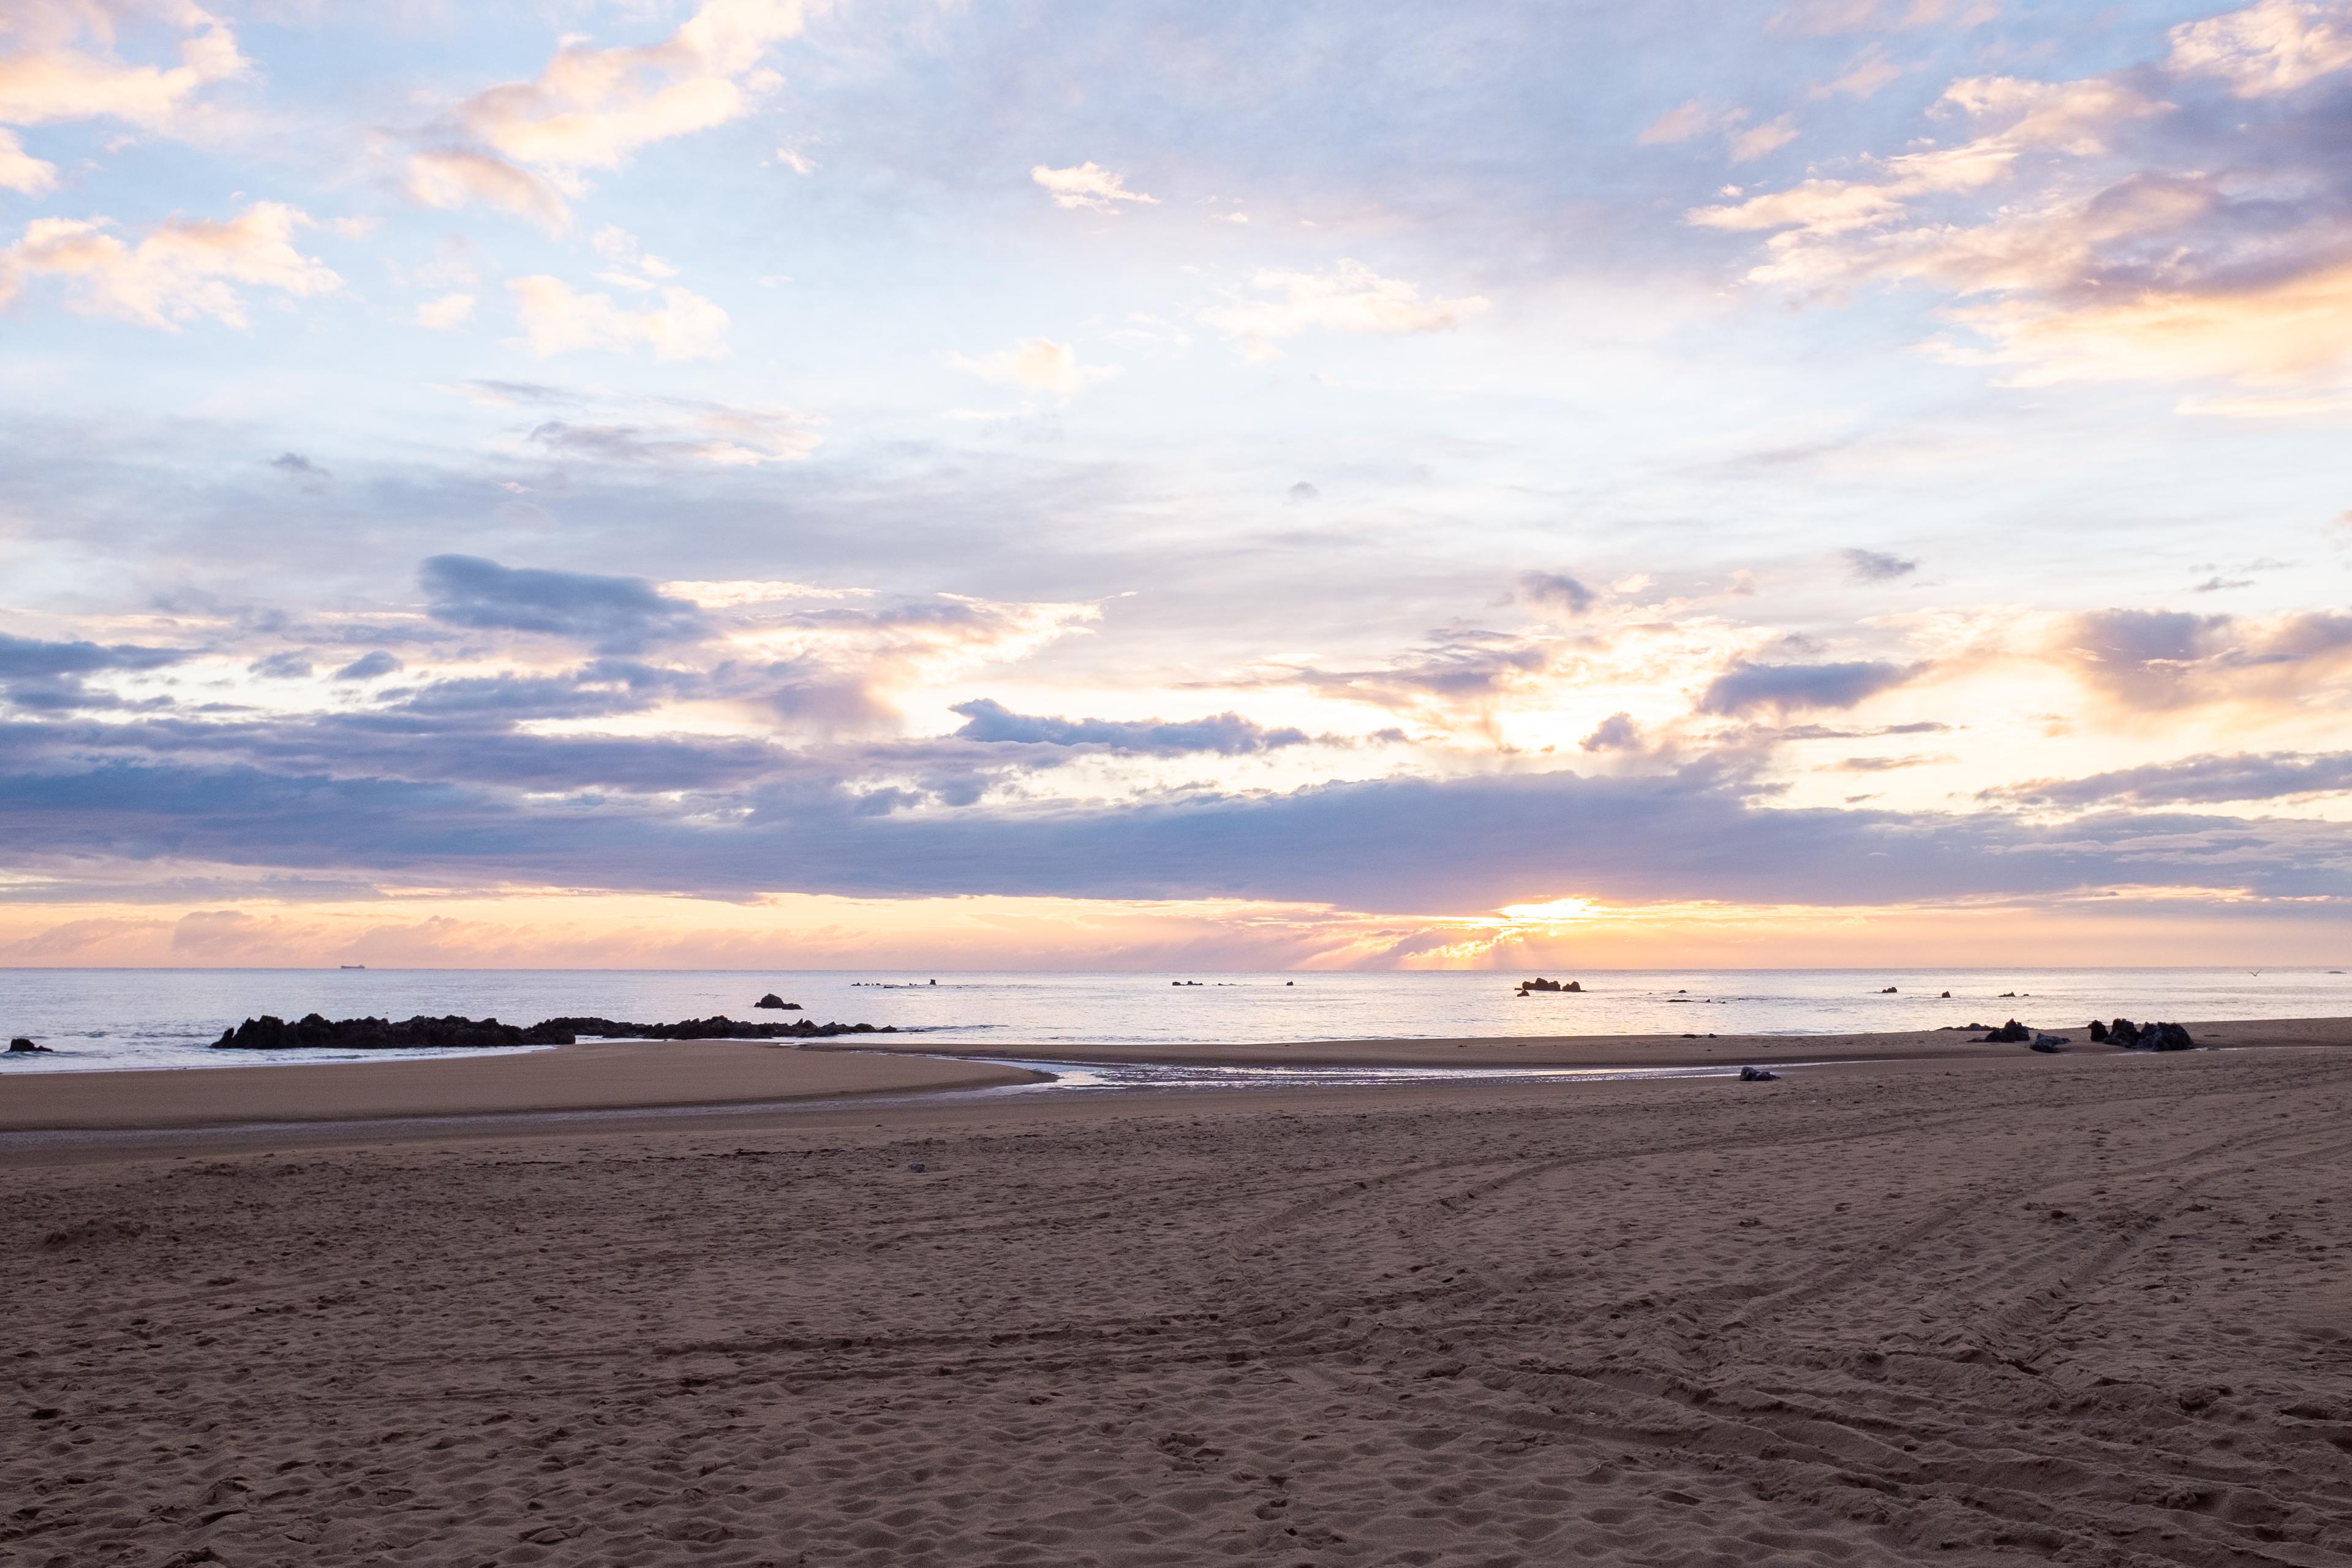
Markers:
(113, 1019)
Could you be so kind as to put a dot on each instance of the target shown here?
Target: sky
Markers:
(780, 483)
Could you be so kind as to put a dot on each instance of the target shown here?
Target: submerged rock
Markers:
(2050, 1045)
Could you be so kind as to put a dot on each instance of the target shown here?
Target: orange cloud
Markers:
(182, 270)
(56, 62)
(591, 108)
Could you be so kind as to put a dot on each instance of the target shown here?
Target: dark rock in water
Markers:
(1758, 1075)
(2098, 1033)
(310, 1032)
(2009, 1033)
(1887, 991)
(2050, 1045)
(1528, 987)
(22, 1047)
(1948, 995)
(772, 1000)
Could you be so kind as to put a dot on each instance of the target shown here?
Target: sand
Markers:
(1698, 1049)
(594, 1075)
(2088, 1309)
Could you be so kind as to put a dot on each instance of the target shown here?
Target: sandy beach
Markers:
(2090, 1308)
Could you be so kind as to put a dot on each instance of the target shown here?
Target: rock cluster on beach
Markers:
(1529, 987)
(2123, 1032)
(312, 1031)
(2134, 1036)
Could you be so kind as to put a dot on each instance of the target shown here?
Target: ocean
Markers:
(99, 1019)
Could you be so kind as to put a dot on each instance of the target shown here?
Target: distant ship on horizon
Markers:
(355, 966)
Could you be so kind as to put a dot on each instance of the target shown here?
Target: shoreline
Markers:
(1604, 1051)
(687, 1077)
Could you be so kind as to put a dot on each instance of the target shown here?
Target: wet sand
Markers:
(2090, 1309)
(592, 1076)
(1698, 1049)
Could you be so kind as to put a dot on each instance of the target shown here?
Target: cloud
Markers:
(1089, 187)
(20, 171)
(57, 63)
(180, 270)
(557, 318)
(280, 666)
(1875, 567)
(1038, 364)
(451, 177)
(1459, 669)
(1350, 298)
(521, 144)
(2197, 779)
(629, 266)
(732, 437)
(447, 312)
(1693, 119)
(1615, 733)
(1301, 493)
(1757, 140)
(1870, 72)
(2177, 223)
(1227, 735)
(1557, 589)
(51, 676)
(2276, 45)
(1743, 142)
(310, 476)
(614, 615)
(1745, 687)
(369, 665)
(1857, 16)
(1465, 843)
(2156, 660)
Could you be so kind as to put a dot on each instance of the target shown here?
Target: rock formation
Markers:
(313, 1032)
